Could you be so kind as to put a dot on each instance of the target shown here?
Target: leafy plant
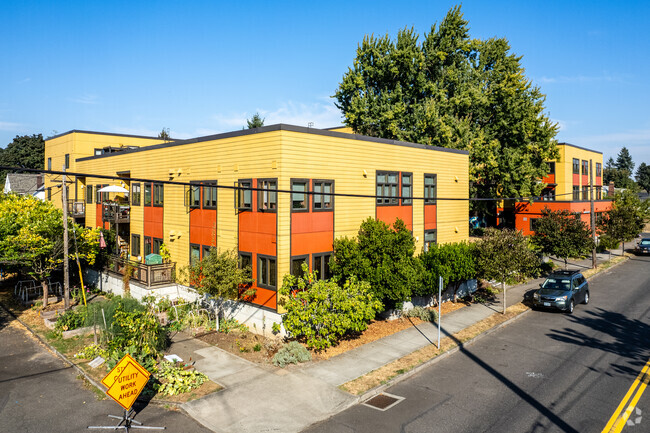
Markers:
(424, 314)
(276, 328)
(561, 234)
(176, 380)
(91, 352)
(228, 325)
(291, 353)
(257, 347)
(71, 319)
(454, 262)
(626, 219)
(146, 359)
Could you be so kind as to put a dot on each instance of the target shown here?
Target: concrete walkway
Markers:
(267, 399)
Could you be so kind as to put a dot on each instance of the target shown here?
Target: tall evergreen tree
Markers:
(24, 151)
(624, 160)
(643, 176)
(456, 92)
(255, 122)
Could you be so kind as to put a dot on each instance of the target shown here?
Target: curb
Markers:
(400, 377)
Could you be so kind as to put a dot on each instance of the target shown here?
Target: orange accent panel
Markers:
(311, 232)
(309, 222)
(308, 243)
(534, 210)
(430, 221)
(203, 226)
(388, 214)
(598, 180)
(153, 222)
(257, 232)
(585, 179)
(98, 215)
(549, 178)
(265, 298)
(576, 179)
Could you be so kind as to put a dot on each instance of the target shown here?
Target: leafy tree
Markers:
(643, 176)
(322, 312)
(164, 134)
(454, 262)
(504, 255)
(27, 151)
(626, 219)
(255, 122)
(31, 238)
(457, 92)
(561, 234)
(382, 256)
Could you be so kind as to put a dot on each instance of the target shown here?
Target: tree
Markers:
(27, 151)
(456, 92)
(322, 312)
(504, 255)
(164, 134)
(643, 176)
(619, 171)
(31, 238)
(561, 234)
(382, 256)
(626, 219)
(624, 160)
(454, 262)
(255, 122)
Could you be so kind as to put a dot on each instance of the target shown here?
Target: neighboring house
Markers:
(25, 184)
(567, 187)
(273, 232)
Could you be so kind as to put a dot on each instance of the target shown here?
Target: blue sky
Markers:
(205, 67)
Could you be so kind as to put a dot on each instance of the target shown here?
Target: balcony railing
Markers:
(116, 213)
(149, 275)
(76, 209)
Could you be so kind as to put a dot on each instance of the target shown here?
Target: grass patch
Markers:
(604, 266)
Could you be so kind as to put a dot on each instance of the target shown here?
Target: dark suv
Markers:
(562, 290)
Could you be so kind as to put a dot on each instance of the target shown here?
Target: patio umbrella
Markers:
(113, 188)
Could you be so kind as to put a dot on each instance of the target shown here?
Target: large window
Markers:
(266, 272)
(585, 193)
(157, 243)
(599, 169)
(246, 261)
(548, 194)
(267, 198)
(599, 193)
(429, 239)
(585, 167)
(576, 166)
(407, 188)
(195, 254)
(89, 194)
(135, 245)
(158, 194)
(296, 265)
(147, 194)
(387, 186)
(322, 198)
(430, 189)
(322, 266)
(147, 246)
(210, 195)
(299, 189)
(135, 194)
(195, 194)
(245, 196)
(551, 167)
(576, 193)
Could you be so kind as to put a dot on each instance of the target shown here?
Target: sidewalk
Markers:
(267, 399)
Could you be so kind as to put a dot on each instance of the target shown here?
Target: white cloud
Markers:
(10, 126)
(564, 79)
(86, 99)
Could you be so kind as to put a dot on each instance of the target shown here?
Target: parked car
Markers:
(562, 290)
(643, 247)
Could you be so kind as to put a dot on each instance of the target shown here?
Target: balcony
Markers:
(116, 212)
(76, 209)
(148, 275)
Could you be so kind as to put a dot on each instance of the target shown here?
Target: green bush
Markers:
(228, 325)
(71, 319)
(291, 353)
(176, 380)
(454, 262)
(91, 352)
(321, 312)
(424, 314)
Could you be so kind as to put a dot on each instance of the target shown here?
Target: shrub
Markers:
(424, 314)
(175, 380)
(454, 262)
(91, 352)
(228, 325)
(71, 319)
(291, 353)
(321, 312)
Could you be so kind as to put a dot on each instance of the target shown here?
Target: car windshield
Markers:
(645, 242)
(557, 284)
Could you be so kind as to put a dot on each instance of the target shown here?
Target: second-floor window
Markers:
(387, 185)
(147, 194)
(551, 167)
(576, 166)
(322, 198)
(430, 189)
(298, 195)
(49, 163)
(267, 198)
(585, 167)
(245, 196)
(599, 169)
(89, 194)
(135, 194)
(210, 195)
(67, 160)
(407, 188)
(158, 194)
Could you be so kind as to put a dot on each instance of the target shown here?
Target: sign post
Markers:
(439, 307)
(125, 382)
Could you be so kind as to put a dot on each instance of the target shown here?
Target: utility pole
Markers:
(591, 213)
(66, 276)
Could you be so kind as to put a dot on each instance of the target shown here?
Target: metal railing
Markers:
(76, 209)
(116, 213)
(149, 275)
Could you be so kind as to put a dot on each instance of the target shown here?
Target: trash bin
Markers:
(153, 259)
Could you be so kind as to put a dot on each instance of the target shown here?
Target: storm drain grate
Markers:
(383, 401)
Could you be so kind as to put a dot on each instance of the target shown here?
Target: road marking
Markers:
(618, 419)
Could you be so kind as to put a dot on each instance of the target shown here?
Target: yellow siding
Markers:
(564, 169)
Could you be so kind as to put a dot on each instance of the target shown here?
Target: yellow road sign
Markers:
(125, 381)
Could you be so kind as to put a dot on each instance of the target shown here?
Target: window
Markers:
(266, 272)
(296, 265)
(67, 160)
(206, 251)
(89, 194)
(548, 194)
(585, 193)
(599, 169)
(533, 224)
(299, 188)
(429, 239)
(387, 187)
(135, 245)
(49, 163)
(210, 195)
(135, 194)
(430, 189)
(407, 188)
(195, 254)
(195, 195)
(100, 196)
(576, 193)
(147, 246)
(267, 199)
(246, 262)
(245, 196)
(99, 152)
(147, 194)
(158, 194)
(322, 266)
(157, 243)
(551, 167)
(599, 193)
(322, 198)
(49, 193)
(585, 167)
(576, 166)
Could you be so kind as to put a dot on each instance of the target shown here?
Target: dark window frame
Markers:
(265, 283)
(205, 251)
(49, 163)
(599, 169)
(384, 190)
(195, 187)
(325, 265)
(532, 222)
(321, 195)
(304, 258)
(154, 247)
(551, 167)
(136, 196)
(135, 244)
(585, 193)
(89, 194)
(576, 193)
(435, 240)
(241, 195)
(406, 201)
(304, 193)
(271, 193)
(158, 194)
(576, 166)
(430, 189)
(240, 261)
(208, 190)
(147, 242)
(197, 247)
(585, 168)
(49, 194)
(148, 193)
(66, 161)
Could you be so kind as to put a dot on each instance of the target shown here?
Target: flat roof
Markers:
(578, 147)
(277, 127)
(104, 133)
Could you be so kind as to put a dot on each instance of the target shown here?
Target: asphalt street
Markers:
(41, 393)
(545, 372)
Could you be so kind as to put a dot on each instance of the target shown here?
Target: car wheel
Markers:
(586, 301)
(570, 309)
